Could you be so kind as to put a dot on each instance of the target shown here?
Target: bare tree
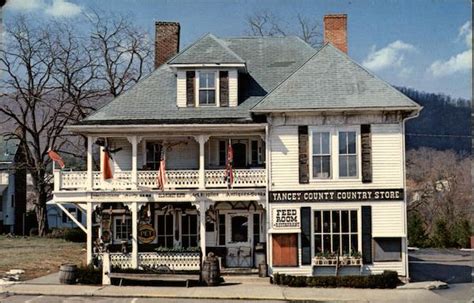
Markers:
(54, 75)
(266, 23)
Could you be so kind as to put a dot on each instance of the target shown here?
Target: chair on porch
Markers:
(245, 256)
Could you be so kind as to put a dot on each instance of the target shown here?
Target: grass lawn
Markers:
(38, 256)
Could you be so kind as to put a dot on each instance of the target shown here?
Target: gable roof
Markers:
(208, 49)
(269, 60)
(332, 80)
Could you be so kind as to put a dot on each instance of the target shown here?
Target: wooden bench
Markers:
(154, 277)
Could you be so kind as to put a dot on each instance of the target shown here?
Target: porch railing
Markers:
(175, 261)
(175, 179)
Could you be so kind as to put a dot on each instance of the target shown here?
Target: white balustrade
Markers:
(175, 179)
(175, 261)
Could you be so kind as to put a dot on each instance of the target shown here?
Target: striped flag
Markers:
(229, 174)
(56, 158)
(107, 172)
(162, 170)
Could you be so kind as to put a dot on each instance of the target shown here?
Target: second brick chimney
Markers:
(166, 41)
(335, 31)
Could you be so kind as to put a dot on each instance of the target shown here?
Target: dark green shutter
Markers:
(303, 154)
(306, 235)
(190, 87)
(366, 154)
(224, 88)
(367, 234)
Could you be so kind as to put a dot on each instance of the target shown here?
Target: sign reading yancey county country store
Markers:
(352, 195)
(286, 218)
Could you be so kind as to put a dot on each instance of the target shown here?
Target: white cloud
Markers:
(461, 62)
(393, 55)
(24, 5)
(55, 8)
(62, 8)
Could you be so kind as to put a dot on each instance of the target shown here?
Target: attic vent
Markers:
(281, 64)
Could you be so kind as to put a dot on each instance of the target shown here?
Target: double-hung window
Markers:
(335, 231)
(321, 155)
(123, 229)
(207, 88)
(165, 229)
(189, 230)
(347, 154)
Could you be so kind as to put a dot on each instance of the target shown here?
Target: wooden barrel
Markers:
(68, 274)
(211, 274)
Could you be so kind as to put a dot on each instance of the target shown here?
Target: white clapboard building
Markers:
(317, 149)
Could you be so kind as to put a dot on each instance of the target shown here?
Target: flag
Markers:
(162, 170)
(107, 172)
(229, 174)
(56, 158)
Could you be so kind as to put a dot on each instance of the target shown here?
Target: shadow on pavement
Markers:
(449, 273)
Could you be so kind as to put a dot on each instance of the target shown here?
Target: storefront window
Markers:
(123, 229)
(189, 231)
(165, 230)
(239, 229)
(335, 231)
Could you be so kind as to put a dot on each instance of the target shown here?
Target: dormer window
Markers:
(207, 88)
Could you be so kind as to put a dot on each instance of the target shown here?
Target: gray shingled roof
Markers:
(332, 80)
(208, 49)
(269, 61)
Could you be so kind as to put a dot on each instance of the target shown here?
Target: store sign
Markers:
(352, 195)
(146, 233)
(286, 218)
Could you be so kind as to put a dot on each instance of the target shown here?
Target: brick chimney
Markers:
(166, 41)
(335, 31)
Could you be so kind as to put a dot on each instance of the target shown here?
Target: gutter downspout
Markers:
(405, 192)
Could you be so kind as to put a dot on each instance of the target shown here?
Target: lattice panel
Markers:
(174, 261)
(73, 180)
(121, 260)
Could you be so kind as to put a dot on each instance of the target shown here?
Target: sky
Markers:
(422, 44)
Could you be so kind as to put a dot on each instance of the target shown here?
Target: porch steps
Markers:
(238, 271)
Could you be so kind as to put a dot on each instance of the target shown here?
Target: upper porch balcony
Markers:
(192, 162)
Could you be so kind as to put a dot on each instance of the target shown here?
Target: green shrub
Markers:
(75, 235)
(388, 279)
(416, 231)
(441, 236)
(89, 275)
(461, 233)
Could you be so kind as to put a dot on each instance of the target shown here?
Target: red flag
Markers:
(107, 172)
(162, 170)
(229, 174)
(56, 158)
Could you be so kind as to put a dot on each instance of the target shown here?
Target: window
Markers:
(321, 155)
(164, 234)
(189, 231)
(222, 153)
(256, 228)
(335, 231)
(387, 249)
(123, 229)
(254, 150)
(153, 155)
(239, 228)
(72, 211)
(347, 154)
(207, 88)
(221, 229)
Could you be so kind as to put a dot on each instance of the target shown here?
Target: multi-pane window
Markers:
(165, 230)
(335, 231)
(123, 229)
(347, 154)
(153, 155)
(256, 228)
(189, 231)
(207, 88)
(221, 229)
(321, 155)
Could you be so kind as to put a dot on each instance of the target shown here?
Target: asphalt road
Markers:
(54, 299)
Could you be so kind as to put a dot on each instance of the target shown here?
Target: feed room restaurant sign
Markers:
(286, 219)
(336, 195)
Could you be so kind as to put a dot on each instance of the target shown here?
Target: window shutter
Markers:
(366, 154)
(190, 88)
(367, 234)
(306, 235)
(303, 154)
(224, 88)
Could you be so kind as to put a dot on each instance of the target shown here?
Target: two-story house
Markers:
(263, 142)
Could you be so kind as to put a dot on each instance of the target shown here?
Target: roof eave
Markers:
(341, 109)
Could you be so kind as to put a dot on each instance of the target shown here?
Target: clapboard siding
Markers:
(183, 156)
(386, 160)
(387, 219)
(181, 88)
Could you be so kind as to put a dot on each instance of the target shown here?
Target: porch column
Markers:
(134, 211)
(202, 227)
(202, 139)
(89, 211)
(90, 177)
(134, 142)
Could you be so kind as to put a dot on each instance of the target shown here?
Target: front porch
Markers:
(175, 236)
